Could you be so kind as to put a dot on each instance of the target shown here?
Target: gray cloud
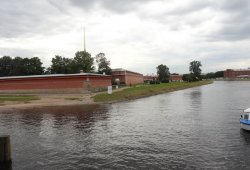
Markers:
(230, 20)
(236, 26)
(233, 27)
(118, 6)
(25, 18)
(234, 31)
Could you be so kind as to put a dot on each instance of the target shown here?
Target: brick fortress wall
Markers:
(127, 77)
(61, 84)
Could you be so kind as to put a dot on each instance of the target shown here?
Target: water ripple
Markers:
(195, 128)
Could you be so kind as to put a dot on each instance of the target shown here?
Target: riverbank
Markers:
(145, 90)
(13, 102)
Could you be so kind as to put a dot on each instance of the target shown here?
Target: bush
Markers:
(165, 81)
(154, 82)
(190, 78)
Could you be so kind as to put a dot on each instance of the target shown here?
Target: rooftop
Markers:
(51, 75)
(121, 69)
(247, 69)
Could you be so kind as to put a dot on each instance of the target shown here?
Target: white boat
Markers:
(245, 120)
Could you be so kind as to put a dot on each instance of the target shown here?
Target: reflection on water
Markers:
(195, 128)
(245, 135)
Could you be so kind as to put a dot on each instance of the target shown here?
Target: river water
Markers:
(196, 128)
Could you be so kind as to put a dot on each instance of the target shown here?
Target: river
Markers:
(196, 128)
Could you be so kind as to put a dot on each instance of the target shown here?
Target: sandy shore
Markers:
(47, 100)
(50, 100)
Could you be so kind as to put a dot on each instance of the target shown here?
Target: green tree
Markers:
(219, 74)
(103, 64)
(163, 73)
(188, 77)
(213, 75)
(83, 61)
(18, 67)
(35, 66)
(61, 65)
(195, 69)
(30, 66)
(6, 65)
(208, 76)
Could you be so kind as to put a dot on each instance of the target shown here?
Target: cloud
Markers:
(119, 6)
(25, 18)
(235, 23)
(134, 34)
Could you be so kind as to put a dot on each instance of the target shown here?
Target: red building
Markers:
(240, 73)
(126, 77)
(148, 78)
(57, 83)
(175, 78)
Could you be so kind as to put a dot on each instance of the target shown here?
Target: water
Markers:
(195, 128)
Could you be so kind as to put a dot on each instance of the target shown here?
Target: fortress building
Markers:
(239, 73)
(55, 83)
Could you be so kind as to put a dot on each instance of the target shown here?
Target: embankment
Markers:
(141, 91)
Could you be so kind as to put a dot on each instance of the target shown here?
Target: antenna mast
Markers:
(84, 39)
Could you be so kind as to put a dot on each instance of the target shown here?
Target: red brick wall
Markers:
(175, 78)
(120, 77)
(132, 79)
(149, 78)
(43, 83)
(100, 82)
(229, 73)
(127, 77)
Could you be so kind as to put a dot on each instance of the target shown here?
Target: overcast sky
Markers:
(136, 35)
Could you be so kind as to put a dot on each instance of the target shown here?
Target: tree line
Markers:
(195, 73)
(59, 65)
(20, 66)
(83, 61)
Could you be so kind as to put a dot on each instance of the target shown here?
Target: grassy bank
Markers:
(140, 91)
(18, 98)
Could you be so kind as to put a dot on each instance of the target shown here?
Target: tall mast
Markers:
(84, 39)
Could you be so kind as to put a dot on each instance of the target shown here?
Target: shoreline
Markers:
(142, 91)
(57, 100)
(49, 100)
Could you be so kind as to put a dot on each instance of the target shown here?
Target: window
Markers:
(246, 116)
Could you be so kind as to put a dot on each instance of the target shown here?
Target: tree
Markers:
(219, 74)
(213, 75)
(188, 77)
(103, 64)
(194, 69)
(6, 65)
(20, 66)
(35, 66)
(163, 73)
(61, 65)
(208, 76)
(83, 61)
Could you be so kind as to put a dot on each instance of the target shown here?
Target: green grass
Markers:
(18, 98)
(146, 90)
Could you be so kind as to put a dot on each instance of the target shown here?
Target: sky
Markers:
(136, 35)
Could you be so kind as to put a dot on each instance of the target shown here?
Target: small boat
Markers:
(245, 119)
